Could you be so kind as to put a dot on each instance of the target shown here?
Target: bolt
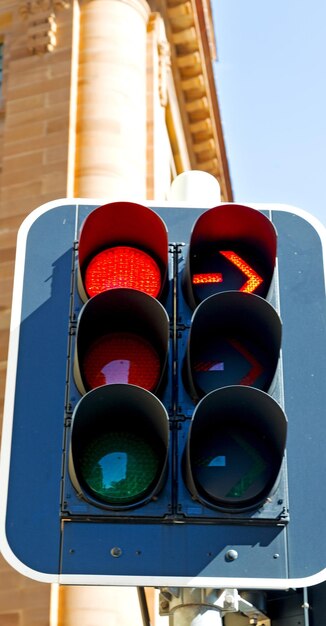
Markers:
(228, 601)
(231, 555)
(164, 605)
(116, 552)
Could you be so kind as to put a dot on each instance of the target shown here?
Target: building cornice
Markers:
(190, 31)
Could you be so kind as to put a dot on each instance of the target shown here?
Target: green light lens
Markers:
(234, 465)
(119, 467)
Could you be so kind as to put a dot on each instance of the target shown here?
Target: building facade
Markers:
(97, 97)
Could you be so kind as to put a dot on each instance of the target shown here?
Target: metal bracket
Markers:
(207, 607)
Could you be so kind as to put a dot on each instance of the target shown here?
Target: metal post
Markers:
(195, 616)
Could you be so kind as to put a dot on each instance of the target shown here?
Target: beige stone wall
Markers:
(98, 606)
(23, 602)
(34, 132)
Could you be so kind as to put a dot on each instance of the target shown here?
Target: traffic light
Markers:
(165, 384)
(120, 430)
(236, 440)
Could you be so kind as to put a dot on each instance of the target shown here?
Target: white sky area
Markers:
(271, 84)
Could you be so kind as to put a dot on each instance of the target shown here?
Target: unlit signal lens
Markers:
(119, 467)
(122, 357)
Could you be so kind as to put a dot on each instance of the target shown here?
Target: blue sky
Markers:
(271, 84)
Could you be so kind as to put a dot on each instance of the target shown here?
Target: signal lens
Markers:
(122, 357)
(122, 266)
(234, 465)
(217, 270)
(235, 448)
(232, 248)
(234, 339)
(222, 361)
(119, 446)
(202, 279)
(119, 467)
(254, 280)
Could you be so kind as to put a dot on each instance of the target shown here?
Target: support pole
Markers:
(195, 616)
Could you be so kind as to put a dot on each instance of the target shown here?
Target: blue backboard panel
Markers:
(49, 533)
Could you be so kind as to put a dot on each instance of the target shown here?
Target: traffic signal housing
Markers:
(232, 247)
(177, 399)
(119, 442)
(234, 458)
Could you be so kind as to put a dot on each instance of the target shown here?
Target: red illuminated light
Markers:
(123, 266)
(122, 357)
(254, 280)
(208, 278)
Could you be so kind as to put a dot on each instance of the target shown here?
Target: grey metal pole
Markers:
(195, 616)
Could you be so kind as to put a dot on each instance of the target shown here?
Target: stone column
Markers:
(98, 606)
(111, 112)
